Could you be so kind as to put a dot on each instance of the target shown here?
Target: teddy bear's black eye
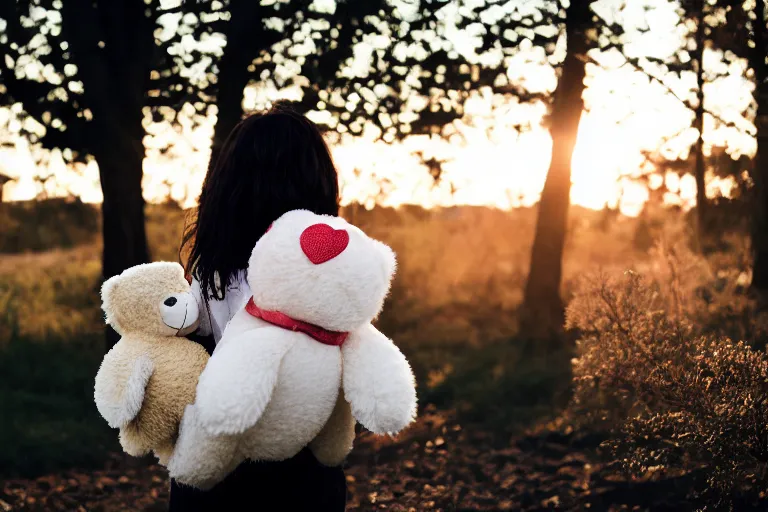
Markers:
(170, 301)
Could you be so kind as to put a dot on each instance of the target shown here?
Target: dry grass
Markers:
(460, 277)
(54, 294)
(50, 295)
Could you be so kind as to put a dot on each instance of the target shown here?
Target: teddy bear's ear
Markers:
(388, 259)
(107, 295)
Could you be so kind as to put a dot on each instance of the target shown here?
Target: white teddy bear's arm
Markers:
(378, 382)
(237, 383)
(120, 401)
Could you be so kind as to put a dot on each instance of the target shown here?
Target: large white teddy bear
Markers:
(301, 350)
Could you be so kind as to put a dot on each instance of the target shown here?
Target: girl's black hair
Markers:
(271, 163)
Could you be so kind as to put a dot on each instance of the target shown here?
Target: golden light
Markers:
(485, 159)
(504, 170)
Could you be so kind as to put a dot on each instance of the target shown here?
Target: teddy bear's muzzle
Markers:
(180, 312)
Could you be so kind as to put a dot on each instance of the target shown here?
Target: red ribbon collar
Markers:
(324, 336)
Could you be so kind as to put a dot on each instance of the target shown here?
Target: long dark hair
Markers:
(272, 162)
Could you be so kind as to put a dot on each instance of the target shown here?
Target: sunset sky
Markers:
(486, 160)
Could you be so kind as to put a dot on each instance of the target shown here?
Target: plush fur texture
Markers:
(378, 382)
(267, 391)
(199, 459)
(334, 442)
(135, 301)
(128, 400)
(340, 294)
(149, 377)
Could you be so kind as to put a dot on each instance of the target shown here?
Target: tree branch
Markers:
(635, 65)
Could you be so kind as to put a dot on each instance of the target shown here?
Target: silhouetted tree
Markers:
(261, 37)
(743, 32)
(720, 27)
(543, 308)
(713, 33)
(412, 81)
(698, 13)
(96, 59)
(757, 60)
(85, 71)
(739, 29)
(295, 44)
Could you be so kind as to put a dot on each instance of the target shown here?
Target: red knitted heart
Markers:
(320, 242)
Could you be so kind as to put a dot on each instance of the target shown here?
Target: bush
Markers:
(682, 401)
(711, 292)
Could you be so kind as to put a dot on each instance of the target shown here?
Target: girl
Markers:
(270, 164)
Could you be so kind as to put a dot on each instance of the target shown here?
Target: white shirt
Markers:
(215, 316)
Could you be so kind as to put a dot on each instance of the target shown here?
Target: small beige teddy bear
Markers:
(149, 377)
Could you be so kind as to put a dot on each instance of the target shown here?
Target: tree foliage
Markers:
(69, 64)
(398, 67)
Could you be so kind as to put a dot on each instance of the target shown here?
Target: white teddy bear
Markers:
(299, 351)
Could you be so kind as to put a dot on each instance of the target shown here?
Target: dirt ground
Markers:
(437, 465)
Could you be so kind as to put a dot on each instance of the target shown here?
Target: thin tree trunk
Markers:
(698, 123)
(760, 164)
(542, 315)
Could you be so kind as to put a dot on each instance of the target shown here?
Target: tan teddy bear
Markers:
(150, 375)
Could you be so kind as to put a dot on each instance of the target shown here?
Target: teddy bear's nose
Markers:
(170, 301)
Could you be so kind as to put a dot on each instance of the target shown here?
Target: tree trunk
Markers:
(542, 314)
(760, 165)
(125, 241)
(243, 36)
(114, 57)
(122, 211)
(702, 215)
(233, 78)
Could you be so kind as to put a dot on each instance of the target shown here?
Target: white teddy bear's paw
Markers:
(378, 382)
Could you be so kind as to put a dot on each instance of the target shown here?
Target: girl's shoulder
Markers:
(239, 281)
(205, 327)
(238, 284)
(215, 313)
(238, 292)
